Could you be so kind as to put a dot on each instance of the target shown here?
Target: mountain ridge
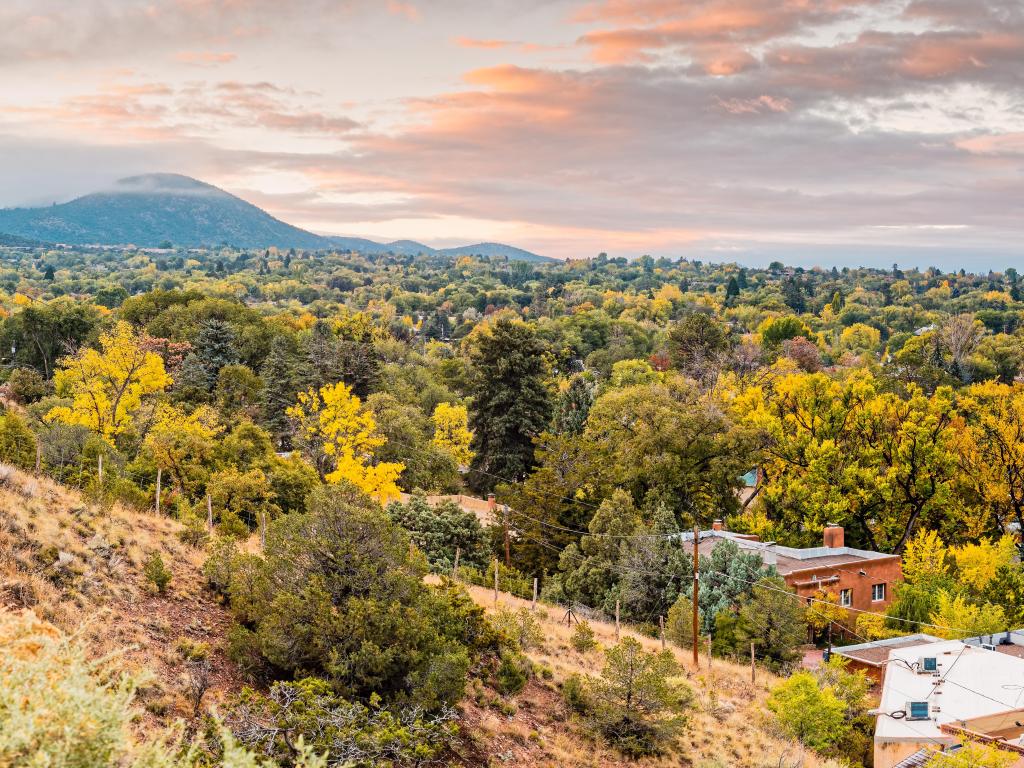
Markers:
(151, 209)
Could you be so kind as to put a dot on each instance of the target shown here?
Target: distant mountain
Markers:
(156, 208)
(496, 250)
(13, 241)
(149, 210)
(412, 248)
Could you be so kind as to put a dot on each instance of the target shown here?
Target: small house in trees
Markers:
(860, 579)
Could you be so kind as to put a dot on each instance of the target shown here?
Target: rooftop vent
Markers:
(927, 665)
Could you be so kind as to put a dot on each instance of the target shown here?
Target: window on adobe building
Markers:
(877, 592)
(846, 597)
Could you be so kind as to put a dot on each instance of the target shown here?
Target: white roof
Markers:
(974, 682)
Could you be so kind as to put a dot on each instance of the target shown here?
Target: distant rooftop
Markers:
(877, 652)
(968, 691)
(787, 559)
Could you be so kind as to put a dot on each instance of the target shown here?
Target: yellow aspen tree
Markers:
(339, 434)
(183, 444)
(107, 386)
(452, 433)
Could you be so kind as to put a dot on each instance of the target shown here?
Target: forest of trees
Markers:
(608, 404)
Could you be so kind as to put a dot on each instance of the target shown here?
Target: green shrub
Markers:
(220, 564)
(60, 708)
(576, 695)
(156, 573)
(520, 627)
(366, 735)
(637, 704)
(583, 638)
(513, 672)
(336, 594)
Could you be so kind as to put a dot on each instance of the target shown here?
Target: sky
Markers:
(813, 132)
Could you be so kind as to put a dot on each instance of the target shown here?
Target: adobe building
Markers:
(861, 579)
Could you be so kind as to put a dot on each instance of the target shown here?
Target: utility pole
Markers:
(39, 457)
(495, 581)
(455, 567)
(696, 587)
(209, 512)
(828, 653)
(616, 622)
(100, 468)
(508, 555)
(533, 605)
(753, 667)
(661, 627)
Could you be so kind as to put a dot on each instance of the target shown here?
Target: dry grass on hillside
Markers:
(728, 726)
(79, 565)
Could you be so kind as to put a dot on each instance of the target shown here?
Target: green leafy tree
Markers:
(17, 442)
(696, 345)
(773, 618)
(812, 715)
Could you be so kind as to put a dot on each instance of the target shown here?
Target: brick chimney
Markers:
(491, 503)
(833, 535)
(716, 525)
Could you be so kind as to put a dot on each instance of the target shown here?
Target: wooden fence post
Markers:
(209, 513)
(159, 477)
(661, 627)
(533, 605)
(455, 566)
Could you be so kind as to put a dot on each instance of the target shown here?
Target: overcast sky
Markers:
(811, 131)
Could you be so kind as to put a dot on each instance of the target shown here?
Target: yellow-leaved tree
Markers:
(452, 433)
(183, 444)
(107, 386)
(339, 435)
(955, 617)
(976, 564)
(925, 559)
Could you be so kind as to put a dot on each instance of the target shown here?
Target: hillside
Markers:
(79, 565)
(154, 209)
(149, 210)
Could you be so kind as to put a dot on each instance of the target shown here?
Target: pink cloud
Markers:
(405, 9)
(204, 58)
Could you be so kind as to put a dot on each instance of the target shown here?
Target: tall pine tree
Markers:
(511, 402)
(280, 386)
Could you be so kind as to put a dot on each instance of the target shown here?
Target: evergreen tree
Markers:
(573, 406)
(511, 403)
(732, 290)
(213, 349)
(280, 385)
(741, 279)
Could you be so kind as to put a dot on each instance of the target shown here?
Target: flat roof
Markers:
(972, 683)
(877, 651)
(788, 559)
